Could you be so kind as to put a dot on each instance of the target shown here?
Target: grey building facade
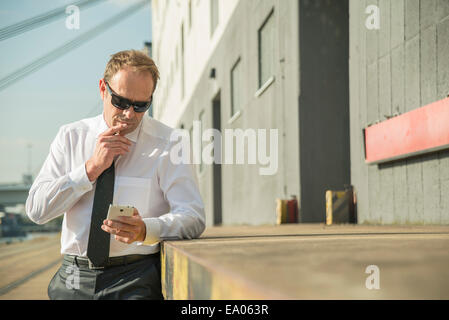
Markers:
(321, 80)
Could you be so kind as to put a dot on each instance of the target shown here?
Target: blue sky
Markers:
(66, 90)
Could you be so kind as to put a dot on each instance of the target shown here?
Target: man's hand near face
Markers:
(126, 229)
(109, 145)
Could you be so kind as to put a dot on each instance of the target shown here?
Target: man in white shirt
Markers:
(135, 149)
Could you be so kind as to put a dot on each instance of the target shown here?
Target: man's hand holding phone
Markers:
(126, 229)
(109, 145)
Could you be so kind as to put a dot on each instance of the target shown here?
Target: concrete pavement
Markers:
(26, 268)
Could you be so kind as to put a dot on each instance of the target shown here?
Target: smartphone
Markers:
(117, 211)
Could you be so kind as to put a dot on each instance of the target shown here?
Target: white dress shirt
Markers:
(166, 195)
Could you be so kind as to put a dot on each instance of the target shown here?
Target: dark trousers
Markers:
(139, 280)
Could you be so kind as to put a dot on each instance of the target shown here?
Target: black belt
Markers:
(112, 261)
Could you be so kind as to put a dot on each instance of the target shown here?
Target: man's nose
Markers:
(129, 113)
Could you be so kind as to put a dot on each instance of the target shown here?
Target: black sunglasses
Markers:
(123, 103)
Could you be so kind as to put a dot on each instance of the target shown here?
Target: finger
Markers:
(115, 139)
(107, 229)
(118, 232)
(113, 130)
(114, 224)
(117, 144)
(127, 240)
(134, 220)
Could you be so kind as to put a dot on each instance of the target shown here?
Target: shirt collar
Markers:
(133, 136)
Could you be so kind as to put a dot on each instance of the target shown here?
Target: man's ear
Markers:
(102, 86)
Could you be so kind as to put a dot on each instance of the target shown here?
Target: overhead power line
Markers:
(40, 20)
(68, 46)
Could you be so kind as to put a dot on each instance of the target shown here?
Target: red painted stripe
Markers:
(419, 131)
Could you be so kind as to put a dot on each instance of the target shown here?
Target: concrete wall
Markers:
(400, 67)
(248, 197)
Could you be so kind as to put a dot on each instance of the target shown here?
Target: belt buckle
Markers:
(92, 267)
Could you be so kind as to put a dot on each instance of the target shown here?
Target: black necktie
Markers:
(98, 245)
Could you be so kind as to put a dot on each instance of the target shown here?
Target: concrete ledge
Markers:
(185, 276)
(301, 261)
